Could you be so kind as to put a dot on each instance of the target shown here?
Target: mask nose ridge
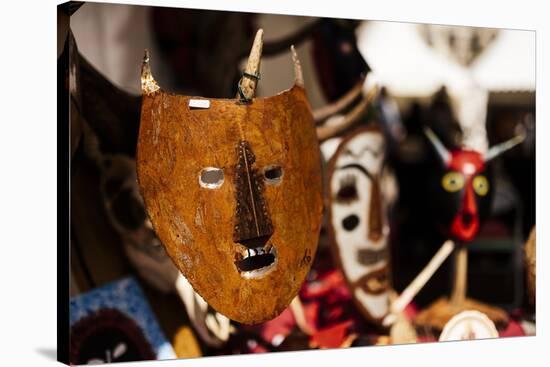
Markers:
(375, 211)
(253, 227)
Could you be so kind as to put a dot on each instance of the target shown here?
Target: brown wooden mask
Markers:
(358, 226)
(233, 190)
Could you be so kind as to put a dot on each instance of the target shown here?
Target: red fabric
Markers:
(332, 336)
(513, 329)
(329, 311)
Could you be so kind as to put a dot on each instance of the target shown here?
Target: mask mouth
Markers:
(369, 257)
(465, 226)
(374, 282)
(467, 219)
(254, 263)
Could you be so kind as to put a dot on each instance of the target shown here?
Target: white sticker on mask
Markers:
(199, 103)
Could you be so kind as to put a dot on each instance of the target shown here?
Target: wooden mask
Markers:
(358, 226)
(233, 189)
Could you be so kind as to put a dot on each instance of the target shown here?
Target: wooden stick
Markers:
(298, 74)
(213, 329)
(330, 109)
(248, 84)
(148, 83)
(461, 269)
(324, 132)
(422, 278)
(299, 315)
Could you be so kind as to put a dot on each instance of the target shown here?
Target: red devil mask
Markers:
(462, 191)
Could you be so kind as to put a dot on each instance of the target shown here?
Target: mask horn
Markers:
(298, 74)
(322, 113)
(498, 149)
(442, 152)
(148, 83)
(340, 123)
(251, 74)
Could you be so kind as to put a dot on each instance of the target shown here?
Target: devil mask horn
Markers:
(498, 149)
(440, 149)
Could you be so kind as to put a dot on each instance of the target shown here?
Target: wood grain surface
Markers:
(196, 224)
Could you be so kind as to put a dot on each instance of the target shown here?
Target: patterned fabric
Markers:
(127, 297)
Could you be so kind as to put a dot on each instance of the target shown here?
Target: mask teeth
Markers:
(241, 254)
(254, 252)
(248, 252)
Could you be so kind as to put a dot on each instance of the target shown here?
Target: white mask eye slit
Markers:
(273, 174)
(347, 193)
(211, 177)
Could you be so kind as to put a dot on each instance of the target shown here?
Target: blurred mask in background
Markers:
(358, 224)
(126, 213)
(461, 188)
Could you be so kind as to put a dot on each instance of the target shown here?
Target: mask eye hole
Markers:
(348, 190)
(112, 187)
(128, 211)
(350, 222)
(452, 181)
(481, 185)
(273, 174)
(211, 178)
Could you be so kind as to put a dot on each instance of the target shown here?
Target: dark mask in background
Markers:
(339, 63)
(126, 212)
(462, 188)
(108, 336)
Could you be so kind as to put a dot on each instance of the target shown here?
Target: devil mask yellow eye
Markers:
(481, 185)
(453, 181)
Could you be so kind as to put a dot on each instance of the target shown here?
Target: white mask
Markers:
(357, 220)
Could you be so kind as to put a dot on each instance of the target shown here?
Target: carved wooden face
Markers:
(233, 191)
(357, 222)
